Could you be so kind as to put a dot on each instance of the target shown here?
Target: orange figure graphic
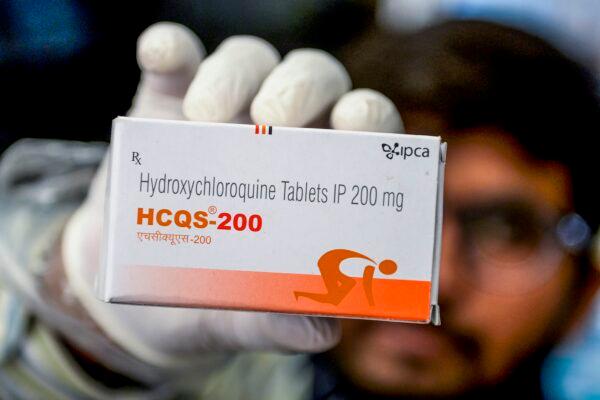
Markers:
(339, 285)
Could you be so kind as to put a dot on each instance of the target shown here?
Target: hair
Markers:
(474, 73)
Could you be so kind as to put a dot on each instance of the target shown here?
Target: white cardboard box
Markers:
(308, 221)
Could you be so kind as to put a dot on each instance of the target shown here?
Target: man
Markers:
(517, 116)
(515, 272)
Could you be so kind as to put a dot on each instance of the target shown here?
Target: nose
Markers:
(451, 284)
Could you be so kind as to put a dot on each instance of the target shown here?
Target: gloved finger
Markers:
(296, 333)
(227, 81)
(168, 55)
(300, 89)
(205, 331)
(224, 330)
(366, 110)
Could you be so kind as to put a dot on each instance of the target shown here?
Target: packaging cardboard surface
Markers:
(254, 217)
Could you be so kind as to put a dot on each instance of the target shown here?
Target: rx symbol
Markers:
(391, 151)
(135, 158)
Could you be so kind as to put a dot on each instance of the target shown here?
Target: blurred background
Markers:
(68, 66)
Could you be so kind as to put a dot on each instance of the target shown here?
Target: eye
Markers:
(505, 232)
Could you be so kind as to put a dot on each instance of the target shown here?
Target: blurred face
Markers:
(503, 279)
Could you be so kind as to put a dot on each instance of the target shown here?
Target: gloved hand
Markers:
(243, 74)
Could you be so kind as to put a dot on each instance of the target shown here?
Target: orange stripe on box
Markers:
(264, 129)
(406, 300)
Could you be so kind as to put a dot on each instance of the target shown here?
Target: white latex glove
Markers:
(175, 84)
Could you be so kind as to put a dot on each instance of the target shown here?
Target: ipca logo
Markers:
(337, 284)
(404, 152)
(391, 151)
